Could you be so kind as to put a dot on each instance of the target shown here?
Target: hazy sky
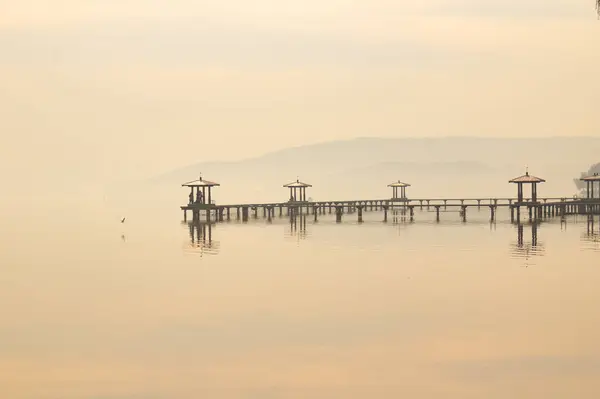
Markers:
(136, 87)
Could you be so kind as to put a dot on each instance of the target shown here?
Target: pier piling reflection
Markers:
(525, 247)
(201, 238)
(297, 226)
(591, 235)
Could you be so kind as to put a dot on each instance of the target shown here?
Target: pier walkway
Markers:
(542, 208)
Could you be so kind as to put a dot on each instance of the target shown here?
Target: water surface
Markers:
(93, 308)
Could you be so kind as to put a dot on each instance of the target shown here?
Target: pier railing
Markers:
(498, 201)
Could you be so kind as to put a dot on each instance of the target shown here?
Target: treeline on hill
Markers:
(595, 168)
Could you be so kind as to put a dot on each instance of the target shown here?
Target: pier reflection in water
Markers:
(400, 215)
(201, 239)
(527, 247)
(591, 236)
(296, 227)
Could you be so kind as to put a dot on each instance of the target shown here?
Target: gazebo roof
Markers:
(594, 177)
(297, 183)
(527, 178)
(200, 183)
(398, 184)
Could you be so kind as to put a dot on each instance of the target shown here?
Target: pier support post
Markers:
(228, 213)
(464, 213)
(411, 209)
(512, 214)
(339, 211)
(530, 213)
(492, 213)
(185, 215)
(385, 212)
(360, 213)
(437, 213)
(315, 212)
(244, 213)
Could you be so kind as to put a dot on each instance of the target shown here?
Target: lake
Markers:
(152, 309)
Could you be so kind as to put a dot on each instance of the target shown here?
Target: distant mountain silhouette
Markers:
(435, 166)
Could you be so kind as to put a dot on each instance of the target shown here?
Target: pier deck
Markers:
(542, 208)
(382, 202)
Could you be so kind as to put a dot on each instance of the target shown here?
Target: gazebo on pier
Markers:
(590, 180)
(200, 193)
(527, 179)
(297, 191)
(399, 185)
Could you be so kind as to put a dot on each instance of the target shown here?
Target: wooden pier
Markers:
(532, 208)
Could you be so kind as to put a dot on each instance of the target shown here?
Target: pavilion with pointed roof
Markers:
(203, 192)
(527, 179)
(399, 185)
(590, 180)
(297, 190)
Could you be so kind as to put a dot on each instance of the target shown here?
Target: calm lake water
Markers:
(95, 309)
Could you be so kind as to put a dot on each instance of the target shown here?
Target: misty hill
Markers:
(361, 168)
